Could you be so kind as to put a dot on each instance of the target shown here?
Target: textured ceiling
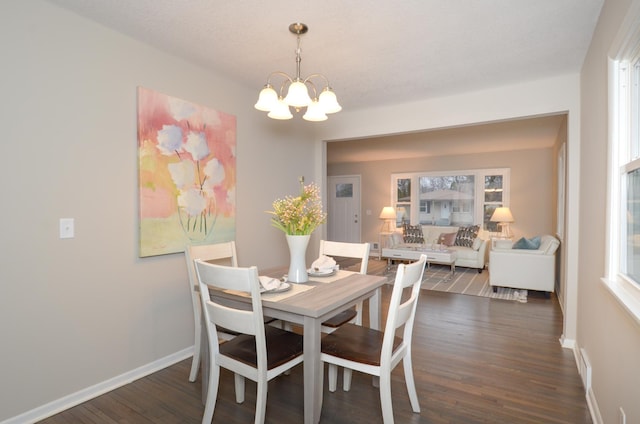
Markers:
(373, 52)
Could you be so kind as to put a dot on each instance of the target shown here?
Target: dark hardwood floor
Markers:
(476, 360)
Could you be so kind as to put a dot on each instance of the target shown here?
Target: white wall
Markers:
(606, 331)
(74, 313)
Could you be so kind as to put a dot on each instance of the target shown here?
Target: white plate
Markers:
(283, 287)
(322, 273)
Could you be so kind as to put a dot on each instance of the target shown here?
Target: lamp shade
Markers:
(267, 100)
(388, 212)
(280, 111)
(298, 95)
(329, 101)
(502, 215)
(315, 113)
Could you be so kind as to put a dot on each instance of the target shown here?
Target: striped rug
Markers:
(465, 281)
(438, 277)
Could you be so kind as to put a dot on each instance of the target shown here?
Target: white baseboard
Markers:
(91, 392)
(593, 408)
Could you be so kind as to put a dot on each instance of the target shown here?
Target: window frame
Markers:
(479, 189)
(624, 157)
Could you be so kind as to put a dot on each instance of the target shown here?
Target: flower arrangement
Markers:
(299, 215)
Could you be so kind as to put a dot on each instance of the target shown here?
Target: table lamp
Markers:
(388, 214)
(503, 217)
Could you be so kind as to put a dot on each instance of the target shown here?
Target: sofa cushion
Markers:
(464, 253)
(529, 244)
(413, 233)
(466, 235)
(477, 243)
(448, 239)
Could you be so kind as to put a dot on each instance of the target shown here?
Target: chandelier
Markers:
(299, 92)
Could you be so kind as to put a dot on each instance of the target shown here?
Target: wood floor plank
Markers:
(476, 360)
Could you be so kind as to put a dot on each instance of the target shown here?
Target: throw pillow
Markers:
(448, 239)
(466, 235)
(528, 244)
(476, 244)
(413, 233)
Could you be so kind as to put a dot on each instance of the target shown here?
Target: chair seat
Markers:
(356, 343)
(341, 319)
(282, 346)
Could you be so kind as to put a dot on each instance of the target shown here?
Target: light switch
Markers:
(66, 228)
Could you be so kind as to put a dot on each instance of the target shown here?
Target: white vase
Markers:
(298, 258)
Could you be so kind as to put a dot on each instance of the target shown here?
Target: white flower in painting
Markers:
(183, 173)
(192, 202)
(197, 145)
(214, 172)
(170, 139)
(180, 109)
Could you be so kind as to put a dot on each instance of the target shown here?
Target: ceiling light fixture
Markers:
(298, 95)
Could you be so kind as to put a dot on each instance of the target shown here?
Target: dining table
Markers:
(308, 305)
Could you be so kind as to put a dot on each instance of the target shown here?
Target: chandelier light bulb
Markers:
(315, 113)
(268, 99)
(280, 111)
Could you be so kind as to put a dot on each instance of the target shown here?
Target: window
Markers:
(451, 198)
(627, 178)
(623, 256)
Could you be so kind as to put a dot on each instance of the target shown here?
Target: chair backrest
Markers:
(232, 316)
(219, 253)
(403, 312)
(347, 250)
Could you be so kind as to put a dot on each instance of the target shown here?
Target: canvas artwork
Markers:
(187, 167)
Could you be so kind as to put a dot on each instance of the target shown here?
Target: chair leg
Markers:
(261, 401)
(195, 362)
(212, 394)
(411, 385)
(346, 378)
(239, 380)
(385, 398)
(333, 377)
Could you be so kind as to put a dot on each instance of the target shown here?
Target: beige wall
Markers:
(532, 185)
(606, 331)
(76, 313)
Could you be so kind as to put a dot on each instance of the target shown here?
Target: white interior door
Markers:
(343, 206)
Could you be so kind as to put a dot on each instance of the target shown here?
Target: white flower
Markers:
(192, 201)
(170, 139)
(180, 109)
(183, 173)
(214, 172)
(197, 145)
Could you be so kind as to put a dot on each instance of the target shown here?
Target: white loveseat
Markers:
(470, 257)
(524, 268)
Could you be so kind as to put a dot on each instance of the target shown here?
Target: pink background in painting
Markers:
(157, 189)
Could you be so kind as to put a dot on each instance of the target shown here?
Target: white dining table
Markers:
(311, 307)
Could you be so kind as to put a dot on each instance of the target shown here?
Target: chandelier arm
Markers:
(326, 80)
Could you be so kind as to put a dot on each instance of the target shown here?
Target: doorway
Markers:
(343, 204)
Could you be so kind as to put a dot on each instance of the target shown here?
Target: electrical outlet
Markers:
(376, 246)
(66, 228)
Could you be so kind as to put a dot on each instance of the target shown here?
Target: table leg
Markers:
(374, 320)
(313, 378)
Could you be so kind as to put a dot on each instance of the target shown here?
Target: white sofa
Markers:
(465, 256)
(523, 268)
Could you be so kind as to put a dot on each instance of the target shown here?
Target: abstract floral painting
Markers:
(187, 166)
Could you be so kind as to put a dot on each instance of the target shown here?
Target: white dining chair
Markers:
(375, 352)
(219, 253)
(345, 250)
(260, 353)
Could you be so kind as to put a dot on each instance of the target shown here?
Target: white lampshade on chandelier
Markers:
(297, 92)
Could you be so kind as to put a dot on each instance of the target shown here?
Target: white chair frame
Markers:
(222, 253)
(347, 250)
(247, 322)
(400, 313)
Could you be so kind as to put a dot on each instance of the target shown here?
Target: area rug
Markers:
(438, 277)
(465, 281)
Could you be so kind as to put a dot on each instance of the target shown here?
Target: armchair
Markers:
(523, 268)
